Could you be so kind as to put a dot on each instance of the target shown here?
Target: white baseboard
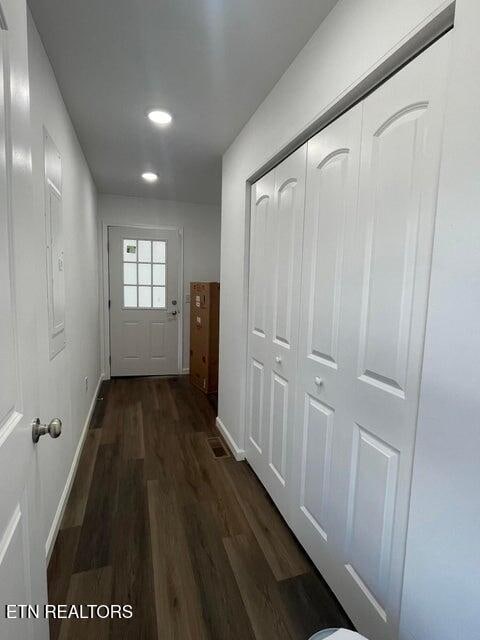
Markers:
(238, 454)
(52, 535)
(186, 370)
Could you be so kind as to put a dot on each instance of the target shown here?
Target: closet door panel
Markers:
(277, 209)
(382, 331)
(257, 407)
(286, 249)
(287, 234)
(325, 276)
(370, 513)
(391, 228)
(331, 193)
(259, 327)
(262, 196)
(279, 427)
(319, 423)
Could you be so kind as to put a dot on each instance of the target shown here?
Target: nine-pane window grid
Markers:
(144, 274)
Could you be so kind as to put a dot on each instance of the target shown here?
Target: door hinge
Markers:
(109, 304)
(110, 360)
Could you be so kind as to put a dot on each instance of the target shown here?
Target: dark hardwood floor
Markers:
(162, 518)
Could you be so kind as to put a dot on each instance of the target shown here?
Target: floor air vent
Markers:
(218, 448)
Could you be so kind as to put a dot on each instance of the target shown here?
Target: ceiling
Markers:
(209, 62)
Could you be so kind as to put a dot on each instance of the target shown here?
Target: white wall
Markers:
(201, 239)
(351, 41)
(442, 577)
(62, 384)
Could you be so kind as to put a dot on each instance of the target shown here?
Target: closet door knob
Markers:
(318, 381)
(278, 359)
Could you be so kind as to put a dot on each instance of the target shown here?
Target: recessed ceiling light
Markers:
(148, 176)
(160, 117)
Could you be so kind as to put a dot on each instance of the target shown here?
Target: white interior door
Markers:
(366, 292)
(333, 159)
(22, 550)
(276, 257)
(258, 376)
(144, 302)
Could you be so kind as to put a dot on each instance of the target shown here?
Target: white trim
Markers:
(52, 535)
(238, 454)
(104, 290)
(104, 293)
(56, 333)
(180, 302)
(186, 370)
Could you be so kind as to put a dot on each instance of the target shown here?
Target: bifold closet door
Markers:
(333, 158)
(277, 209)
(364, 298)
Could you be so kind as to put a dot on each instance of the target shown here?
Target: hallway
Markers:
(239, 337)
(162, 517)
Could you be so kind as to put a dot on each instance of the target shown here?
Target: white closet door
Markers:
(259, 327)
(333, 158)
(358, 427)
(276, 256)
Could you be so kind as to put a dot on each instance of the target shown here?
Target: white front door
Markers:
(144, 301)
(276, 259)
(365, 294)
(22, 543)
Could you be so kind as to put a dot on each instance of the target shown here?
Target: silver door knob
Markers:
(278, 359)
(174, 313)
(318, 381)
(53, 428)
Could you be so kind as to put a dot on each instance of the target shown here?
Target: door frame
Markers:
(105, 346)
(425, 34)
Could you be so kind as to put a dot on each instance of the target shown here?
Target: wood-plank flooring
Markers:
(159, 519)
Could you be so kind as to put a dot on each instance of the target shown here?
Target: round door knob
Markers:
(54, 429)
(318, 381)
(278, 359)
(174, 313)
